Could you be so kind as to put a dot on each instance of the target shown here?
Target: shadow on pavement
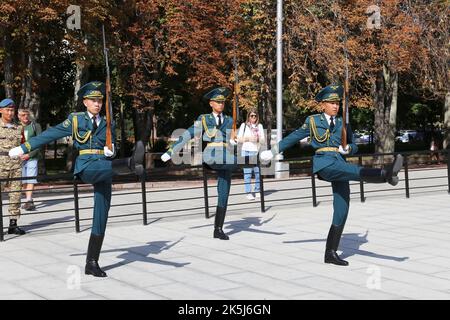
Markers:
(270, 191)
(245, 224)
(141, 253)
(350, 245)
(45, 223)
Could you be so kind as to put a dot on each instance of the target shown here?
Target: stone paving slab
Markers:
(397, 249)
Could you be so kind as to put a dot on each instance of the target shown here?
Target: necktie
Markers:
(94, 124)
(220, 120)
(331, 124)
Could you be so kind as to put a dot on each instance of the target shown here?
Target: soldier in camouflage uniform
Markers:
(10, 136)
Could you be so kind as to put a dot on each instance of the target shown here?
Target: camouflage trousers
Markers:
(13, 188)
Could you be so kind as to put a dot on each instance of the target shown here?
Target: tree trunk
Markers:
(391, 129)
(266, 114)
(269, 118)
(35, 102)
(385, 103)
(154, 132)
(122, 130)
(446, 142)
(142, 125)
(76, 105)
(77, 83)
(27, 80)
(8, 69)
(267, 99)
(80, 77)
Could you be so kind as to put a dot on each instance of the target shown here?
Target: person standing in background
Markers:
(11, 134)
(30, 160)
(251, 136)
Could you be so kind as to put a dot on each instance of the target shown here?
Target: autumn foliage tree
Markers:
(165, 54)
(31, 35)
(432, 75)
(319, 34)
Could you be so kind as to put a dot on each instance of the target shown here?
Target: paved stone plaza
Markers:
(398, 248)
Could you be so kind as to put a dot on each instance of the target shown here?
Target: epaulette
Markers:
(77, 114)
(317, 116)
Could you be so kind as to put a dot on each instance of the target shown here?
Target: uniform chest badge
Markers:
(66, 123)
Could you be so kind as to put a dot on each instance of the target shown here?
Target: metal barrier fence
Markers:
(359, 160)
(301, 169)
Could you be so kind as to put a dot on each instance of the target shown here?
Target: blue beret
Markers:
(94, 89)
(6, 102)
(332, 92)
(218, 94)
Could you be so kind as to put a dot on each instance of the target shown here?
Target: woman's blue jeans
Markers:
(248, 173)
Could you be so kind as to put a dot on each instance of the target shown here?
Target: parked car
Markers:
(361, 137)
(406, 136)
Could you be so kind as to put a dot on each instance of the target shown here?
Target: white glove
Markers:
(15, 152)
(165, 157)
(233, 142)
(266, 155)
(108, 153)
(344, 151)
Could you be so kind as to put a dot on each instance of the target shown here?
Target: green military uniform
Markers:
(216, 155)
(330, 165)
(91, 166)
(11, 135)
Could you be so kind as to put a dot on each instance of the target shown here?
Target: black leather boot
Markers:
(14, 228)
(334, 237)
(133, 163)
(219, 219)
(389, 175)
(393, 170)
(93, 253)
(373, 175)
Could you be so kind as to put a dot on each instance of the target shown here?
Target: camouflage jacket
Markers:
(10, 137)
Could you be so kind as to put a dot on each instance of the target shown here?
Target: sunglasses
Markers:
(253, 115)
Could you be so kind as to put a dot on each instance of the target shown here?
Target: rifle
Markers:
(346, 100)
(235, 99)
(108, 105)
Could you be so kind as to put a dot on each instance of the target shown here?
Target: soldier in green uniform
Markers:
(93, 165)
(329, 162)
(11, 134)
(215, 131)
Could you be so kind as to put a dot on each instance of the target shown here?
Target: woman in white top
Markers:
(251, 136)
